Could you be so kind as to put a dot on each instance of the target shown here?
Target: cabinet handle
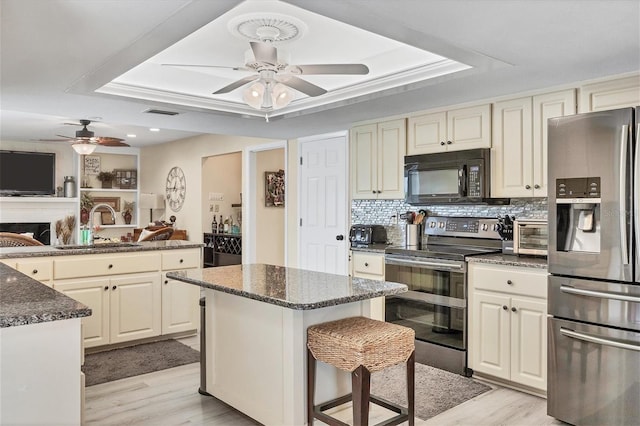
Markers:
(509, 282)
(379, 192)
(536, 186)
(114, 287)
(374, 191)
(106, 287)
(527, 187)
(366, 264)
(504, 307)
(35, 271)
(514, 309)
(181, 260)
(166, 281)
(110, 266)
(449, 142)
(442, 143)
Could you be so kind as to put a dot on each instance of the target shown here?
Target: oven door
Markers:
(435, 305)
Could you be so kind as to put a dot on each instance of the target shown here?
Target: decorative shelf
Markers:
(107, 190)
(38, 200)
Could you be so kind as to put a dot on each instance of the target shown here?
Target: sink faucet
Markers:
(93, 210)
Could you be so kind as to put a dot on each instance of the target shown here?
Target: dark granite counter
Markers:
(24, 301)
(511, 260)
(288, 287)
(99, 248)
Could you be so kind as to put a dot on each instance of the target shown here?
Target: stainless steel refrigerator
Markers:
(594, 283)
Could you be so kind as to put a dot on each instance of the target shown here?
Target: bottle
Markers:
(220, 226)
(214, 225)
(226, 225)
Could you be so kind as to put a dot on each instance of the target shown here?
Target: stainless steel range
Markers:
(436, 304)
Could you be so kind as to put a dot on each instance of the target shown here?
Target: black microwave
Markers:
(448, 177)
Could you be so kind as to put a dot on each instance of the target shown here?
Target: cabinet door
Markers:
(426, 133)
(512, 153)
(620, 93)
(179, 306)
(364, 162)
(469, 128)
(135, 307)
(546, 106)
(529, 342)
(392, 141)
(490, 334)
(94, 293)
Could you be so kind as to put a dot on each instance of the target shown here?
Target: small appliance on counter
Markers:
(504, 227)
(531, 237)
(366, 235)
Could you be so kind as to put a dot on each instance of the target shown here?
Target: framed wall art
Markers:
(114, 202)
(91, 165)
(274, 189)
(106, 218)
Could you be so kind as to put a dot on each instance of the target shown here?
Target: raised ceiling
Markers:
(56, 54)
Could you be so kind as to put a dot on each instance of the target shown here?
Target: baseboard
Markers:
(103, 348)
(506, 384)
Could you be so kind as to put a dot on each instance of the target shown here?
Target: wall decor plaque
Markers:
(91, 165)
(274, 189)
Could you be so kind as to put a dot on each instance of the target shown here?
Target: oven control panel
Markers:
(474, 227)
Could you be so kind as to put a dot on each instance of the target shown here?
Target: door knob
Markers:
(339, 237)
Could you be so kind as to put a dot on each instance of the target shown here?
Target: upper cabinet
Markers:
(377, 158)
(519, 153)
(455, 130)
(620, 93)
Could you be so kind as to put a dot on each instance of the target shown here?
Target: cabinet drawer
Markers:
(99, 265)
(368, 264)
(180, 259)
(508, 279)
(38, 269)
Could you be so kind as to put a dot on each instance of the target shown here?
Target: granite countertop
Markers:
(288, 287)
(99, 248)
(24, 301)
(372, 248)
(511, 260)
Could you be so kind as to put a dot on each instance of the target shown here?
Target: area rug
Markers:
(117, 364)
(436, 390)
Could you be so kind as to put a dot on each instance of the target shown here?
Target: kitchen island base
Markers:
(256, 356)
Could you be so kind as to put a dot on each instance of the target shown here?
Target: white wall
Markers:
(188, 154)
(269, 224)
(221, 174)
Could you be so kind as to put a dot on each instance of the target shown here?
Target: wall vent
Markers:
(160, 112)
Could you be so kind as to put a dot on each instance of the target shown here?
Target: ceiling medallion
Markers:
(271, 27)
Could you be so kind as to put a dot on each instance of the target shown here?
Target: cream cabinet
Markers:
(508, 323)
(123, 308)
(612, 94)
(519, 152)
(455, 130)
(371, 266)
(179, 299)
(377, 157)
(38, 268)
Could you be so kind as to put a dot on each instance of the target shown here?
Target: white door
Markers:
(323, 198)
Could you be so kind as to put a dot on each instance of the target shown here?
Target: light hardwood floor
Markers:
(170, 397)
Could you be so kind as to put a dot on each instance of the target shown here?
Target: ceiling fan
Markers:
(85, 141)
(275, 77)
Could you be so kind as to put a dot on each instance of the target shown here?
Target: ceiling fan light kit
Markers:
(84, 148)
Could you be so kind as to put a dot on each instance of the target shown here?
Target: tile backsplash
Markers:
(384, 212)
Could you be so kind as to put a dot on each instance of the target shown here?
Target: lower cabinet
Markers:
(508, 324)
(179, 306)
(370, 265)
(123, 308)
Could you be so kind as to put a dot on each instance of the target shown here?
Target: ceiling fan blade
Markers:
(264, 52)
(207, 66)
(107, 141)
(55, 140)
(302, 85)
(66, 137)
(236, 84)
(356, 69)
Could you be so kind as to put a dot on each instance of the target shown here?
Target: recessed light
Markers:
(131, 135)
(154, 129)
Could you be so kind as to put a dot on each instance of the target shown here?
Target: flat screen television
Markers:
(27, 173)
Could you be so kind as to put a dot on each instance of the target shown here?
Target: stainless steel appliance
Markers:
(365, 235)
(436, 304)
(594, 286)
(530, 236)
(448, 177)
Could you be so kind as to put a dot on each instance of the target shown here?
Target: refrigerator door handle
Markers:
(598, 340)
(624, 246)
(593, 293)
(636, 207)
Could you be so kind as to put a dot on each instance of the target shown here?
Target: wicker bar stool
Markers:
(361, 346)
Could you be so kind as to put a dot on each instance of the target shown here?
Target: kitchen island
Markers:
(256, 326)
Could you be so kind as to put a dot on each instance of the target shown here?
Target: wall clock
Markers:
(176, 188)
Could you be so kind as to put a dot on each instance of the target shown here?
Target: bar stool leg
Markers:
(411, 363)
(311, 386)
(361, 385)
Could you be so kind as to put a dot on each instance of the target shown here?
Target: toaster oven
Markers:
(530, 236)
